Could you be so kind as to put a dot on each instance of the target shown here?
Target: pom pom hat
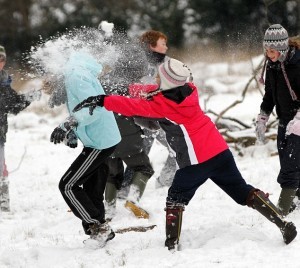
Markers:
(173, 73)
(276, 37)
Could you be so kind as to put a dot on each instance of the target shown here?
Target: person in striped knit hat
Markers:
(282, 92)
(177, 100)
(277, 38)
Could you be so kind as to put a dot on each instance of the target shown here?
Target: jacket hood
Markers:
(295, 56)
(82, 60)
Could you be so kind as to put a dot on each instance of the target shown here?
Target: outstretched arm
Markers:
(123, 105)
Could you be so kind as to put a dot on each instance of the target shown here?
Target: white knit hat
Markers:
(277, 37)
(173, 73)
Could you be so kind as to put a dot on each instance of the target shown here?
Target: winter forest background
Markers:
(202, 26)
(221, 42)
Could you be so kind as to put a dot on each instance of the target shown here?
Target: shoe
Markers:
(100, 234)
(136, 210)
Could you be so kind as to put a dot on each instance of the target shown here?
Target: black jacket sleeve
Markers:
(267, 104)
(11, 101)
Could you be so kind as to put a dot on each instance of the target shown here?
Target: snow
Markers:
(216, 232)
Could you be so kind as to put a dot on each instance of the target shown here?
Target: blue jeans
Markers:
(221, 169)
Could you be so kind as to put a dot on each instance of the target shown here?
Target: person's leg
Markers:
(174, 213)
(223, 171)
(227, 176)
(4, 183)
(167, 173)
(79, 172)
(114, 180)
(142, 171)
(229, 179)
(289, 175)
(95, 186)
(127, 180)
(81, 195)
(185, 183)
(260, 202)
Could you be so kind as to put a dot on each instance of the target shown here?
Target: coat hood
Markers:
(294, 57)
(81, 60)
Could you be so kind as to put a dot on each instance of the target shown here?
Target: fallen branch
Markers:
(20, 162)
(243, 93)
(230, 118)
(244, 140)
(135, 229)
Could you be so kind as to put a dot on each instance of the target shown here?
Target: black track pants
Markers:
(83, 184)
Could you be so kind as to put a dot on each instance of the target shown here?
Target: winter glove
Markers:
(34, 95)
(293, 127)
(58, 135)
(60, 132)
(71, 139)
(91, 102)
(261, 126)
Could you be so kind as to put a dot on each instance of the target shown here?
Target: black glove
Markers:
(58, 135)
(71, 139)
(60, 132)
(91, 102)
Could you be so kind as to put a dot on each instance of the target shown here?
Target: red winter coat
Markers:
(203, 139)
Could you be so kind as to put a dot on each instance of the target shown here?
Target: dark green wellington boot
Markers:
(173, 225)
(260, 202)
(138, 185)
(110, 193)
(110, 199)
(285, 201)
(137, 188)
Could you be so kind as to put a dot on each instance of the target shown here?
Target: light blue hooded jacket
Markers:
(100, 130)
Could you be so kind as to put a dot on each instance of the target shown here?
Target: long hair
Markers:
(294, 41)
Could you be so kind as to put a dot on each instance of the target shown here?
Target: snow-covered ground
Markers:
(40, 232)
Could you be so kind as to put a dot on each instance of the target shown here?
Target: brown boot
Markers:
(173, 224)
(259, 201)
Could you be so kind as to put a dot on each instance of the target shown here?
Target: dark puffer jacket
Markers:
(10, 102)
(276, 90)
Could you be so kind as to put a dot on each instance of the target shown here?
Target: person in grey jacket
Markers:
(10, 103)
(83, 184)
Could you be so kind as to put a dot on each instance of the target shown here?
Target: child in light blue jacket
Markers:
(83, 184)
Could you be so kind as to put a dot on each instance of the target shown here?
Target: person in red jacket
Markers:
(210, 156)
